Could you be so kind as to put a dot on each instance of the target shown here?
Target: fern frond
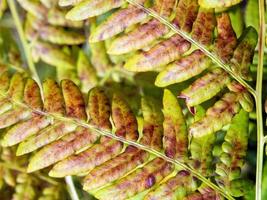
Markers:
(234, 149)
(109, 165)
(113, 142)
(190, 17)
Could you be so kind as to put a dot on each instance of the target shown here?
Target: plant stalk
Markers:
(260, 131)
(27, 52)
(71, 188)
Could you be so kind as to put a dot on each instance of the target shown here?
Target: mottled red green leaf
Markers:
(44, 137)
(234, 149)
(99, 57)
(61, 36)
(88, 159)
(117, 23)
(186, 14)
(124, 120)
(175, 188)
(175, 138)
(138, 38)
(183, 69)
(53, 98)
(52, 55)
(159, 55)
(138, 181)
(99, 108)
(205, 88)
(226, 40)
(164, 8)
(86, 73)
(64, 147)
(218, 3)
(217, 116)
(203, 26)
(74, 102)
(244, 52)
(16, 87)
(32, 95)
(13, 116)
(23, 130)
(91, 8)
(115, 168)
(201, 153)
(4, 82)
(152, 125)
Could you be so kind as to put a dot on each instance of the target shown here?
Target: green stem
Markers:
(13, 166)
(18, 24)
(46, 178)
(71, 188)
(258, 98)
(213, 57)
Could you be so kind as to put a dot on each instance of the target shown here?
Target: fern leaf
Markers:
(52, 55)
(60, 36)
(152, 125)
(68, 2)
(91, 8)
(217, 3)
(183, 69)
(204, 192)
(244, 97)
(186, 14)
(226, 41)
(244, 53)
(48, 3)
(117, 23)
(205, 87)
(138, 38)
(176, 187)
(175, 138)
(99, 109)
(111, 170)
(59, 150)
(87, 160)
(73, 98)
(86, 72)
(101, 152)
(115, 168)
(124, 119)
(112, 167)
(56, 17)
(80, 138)
(33, 7)
(146, 177)
(234, 149)
(204, 18)
(168, 51)
(131, 157)
(217, 116)
(54, 102)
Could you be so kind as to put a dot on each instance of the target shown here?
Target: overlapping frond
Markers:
(154, 47)
(112, 168)
(62, 131)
